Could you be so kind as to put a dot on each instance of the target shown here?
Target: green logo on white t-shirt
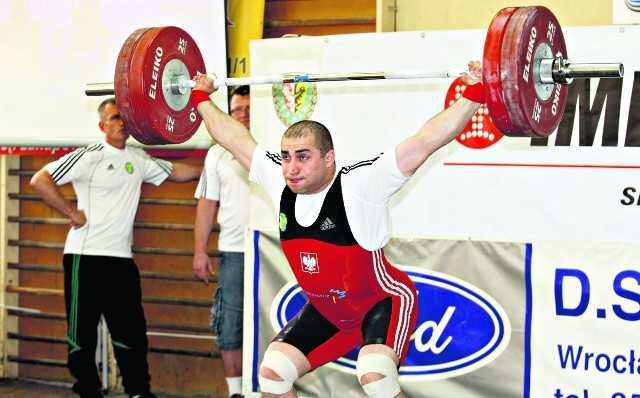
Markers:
(129, 167)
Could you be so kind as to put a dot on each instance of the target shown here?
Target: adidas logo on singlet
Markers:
(327, 224)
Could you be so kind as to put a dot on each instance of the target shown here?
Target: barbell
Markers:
(526, 73)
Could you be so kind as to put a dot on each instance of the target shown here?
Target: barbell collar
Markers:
(563, 71)
(612, 70)
(98, 89)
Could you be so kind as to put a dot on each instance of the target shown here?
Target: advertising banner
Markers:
(535, 236)
(496, 319)
(578, 184)
(583, 310)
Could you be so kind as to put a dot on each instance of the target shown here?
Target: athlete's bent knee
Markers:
(386, 387)
(282, 366)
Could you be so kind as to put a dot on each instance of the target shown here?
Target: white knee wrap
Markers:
(282, 365)
(387, 387)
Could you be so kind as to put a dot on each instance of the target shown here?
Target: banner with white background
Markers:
(512, 189)
(583, 311)
(546, 229)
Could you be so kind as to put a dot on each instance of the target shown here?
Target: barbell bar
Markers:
(525, 74)
(551, 70)
(179, 83)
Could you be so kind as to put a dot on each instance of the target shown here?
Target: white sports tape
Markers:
(386, 387)
(383, 388)
(282, 365)
(376, 363)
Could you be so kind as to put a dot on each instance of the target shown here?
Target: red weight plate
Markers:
(480, 132)
(139, 87)
(121, 86)
(492, 70)
(529, 31)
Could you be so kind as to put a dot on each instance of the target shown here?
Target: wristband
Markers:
(474, 93)
(197, 96)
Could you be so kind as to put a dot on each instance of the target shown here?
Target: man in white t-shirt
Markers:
(100, 276)
(224, 190)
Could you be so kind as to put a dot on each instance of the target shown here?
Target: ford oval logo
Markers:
(460, 328)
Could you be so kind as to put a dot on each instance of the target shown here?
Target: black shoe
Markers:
(237, 396)
(87, 393)
(93, 394)
(145, 395)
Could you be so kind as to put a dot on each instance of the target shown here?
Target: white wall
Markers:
(51, 49)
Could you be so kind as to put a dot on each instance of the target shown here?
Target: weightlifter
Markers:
(338, 217)
(100, 275)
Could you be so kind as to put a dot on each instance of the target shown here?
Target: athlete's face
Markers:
(304, 169)
(113, 128)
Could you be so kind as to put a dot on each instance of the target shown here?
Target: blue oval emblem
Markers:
(460, 328)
